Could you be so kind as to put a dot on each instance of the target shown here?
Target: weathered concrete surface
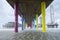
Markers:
(29, 35)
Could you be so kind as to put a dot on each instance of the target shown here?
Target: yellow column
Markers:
(26, 25)
(36, 21)
(43, 7)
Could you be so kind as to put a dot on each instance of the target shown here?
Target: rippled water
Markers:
(29, 35)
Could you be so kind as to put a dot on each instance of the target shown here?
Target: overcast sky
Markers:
(7, 12)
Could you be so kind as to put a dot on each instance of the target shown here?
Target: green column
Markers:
(24, 24)
(36, 21)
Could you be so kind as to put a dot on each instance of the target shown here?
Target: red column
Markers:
(16, 15)
(31, 25)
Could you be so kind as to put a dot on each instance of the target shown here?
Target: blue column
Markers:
(22, 23)
(34, 23)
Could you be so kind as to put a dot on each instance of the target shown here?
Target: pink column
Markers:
(16, 15)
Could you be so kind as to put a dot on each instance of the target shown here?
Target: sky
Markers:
(7, 12)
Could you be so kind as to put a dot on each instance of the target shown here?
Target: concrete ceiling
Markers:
(29, 8)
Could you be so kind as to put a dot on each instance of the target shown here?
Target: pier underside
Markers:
(29, 8)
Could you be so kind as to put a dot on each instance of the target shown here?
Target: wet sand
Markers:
(29, 35)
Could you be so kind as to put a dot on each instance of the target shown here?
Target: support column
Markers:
(31, 25)
(16, 15)
(36, 21)
(34, 24)
(43, 7)
(26, 25)
(22, 23)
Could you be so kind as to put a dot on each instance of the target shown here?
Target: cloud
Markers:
(56, 6)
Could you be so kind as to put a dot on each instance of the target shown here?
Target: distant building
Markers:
(11, 25)
(39, 25)
(52, 25)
